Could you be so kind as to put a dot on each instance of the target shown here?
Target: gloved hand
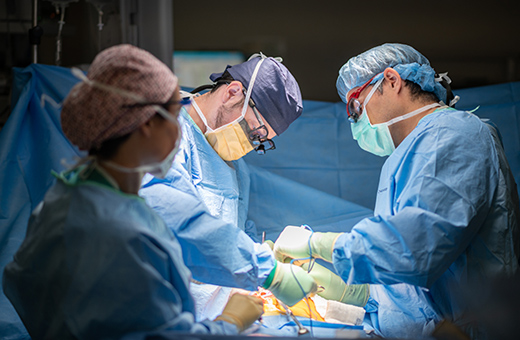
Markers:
(335, 288)
(284, 283)
(242, 310)
(269, 243)
(293, 243)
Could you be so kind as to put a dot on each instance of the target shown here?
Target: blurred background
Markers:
(477, 42)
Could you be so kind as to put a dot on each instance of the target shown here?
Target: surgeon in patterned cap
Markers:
(97, 262)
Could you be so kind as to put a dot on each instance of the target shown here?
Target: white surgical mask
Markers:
(158, 169)
(376, 138)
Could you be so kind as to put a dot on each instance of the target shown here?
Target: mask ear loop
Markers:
(370, 94)
(246, 101)
(201, 115)
(251, 84)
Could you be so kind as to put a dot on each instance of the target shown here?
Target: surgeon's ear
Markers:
(393, 79)
(233, 93)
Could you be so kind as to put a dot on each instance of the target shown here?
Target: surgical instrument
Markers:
(301, 330)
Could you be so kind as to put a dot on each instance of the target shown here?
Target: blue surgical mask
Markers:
(376, 138)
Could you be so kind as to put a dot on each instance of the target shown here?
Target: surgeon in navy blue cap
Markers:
(249, 103)
(204, 197)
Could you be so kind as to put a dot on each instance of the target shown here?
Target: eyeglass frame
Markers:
(165, 105)
(354, 116)
(163, 109)
(259, 142)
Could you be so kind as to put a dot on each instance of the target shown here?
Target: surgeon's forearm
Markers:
(234, 261)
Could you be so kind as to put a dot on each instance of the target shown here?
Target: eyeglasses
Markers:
(354, 108)
(258, 136)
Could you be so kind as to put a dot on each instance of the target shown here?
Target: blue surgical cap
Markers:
(275, 92)
(408, 62)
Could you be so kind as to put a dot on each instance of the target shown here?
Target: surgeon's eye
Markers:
(260, 133)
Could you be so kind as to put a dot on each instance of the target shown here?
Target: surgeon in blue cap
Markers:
(447, 208)
(246, 106)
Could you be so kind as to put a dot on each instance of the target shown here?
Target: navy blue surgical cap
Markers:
(275, 92)
(408, 62)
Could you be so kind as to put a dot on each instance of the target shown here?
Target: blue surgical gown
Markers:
(98, 263)
(446, 218)
(210, 226)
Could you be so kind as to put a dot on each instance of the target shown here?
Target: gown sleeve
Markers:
(216, 252)
(435, 195)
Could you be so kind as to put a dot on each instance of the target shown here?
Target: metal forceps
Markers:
(301, 330)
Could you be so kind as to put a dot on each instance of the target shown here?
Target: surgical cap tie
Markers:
(445, 81)
(263, 56)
